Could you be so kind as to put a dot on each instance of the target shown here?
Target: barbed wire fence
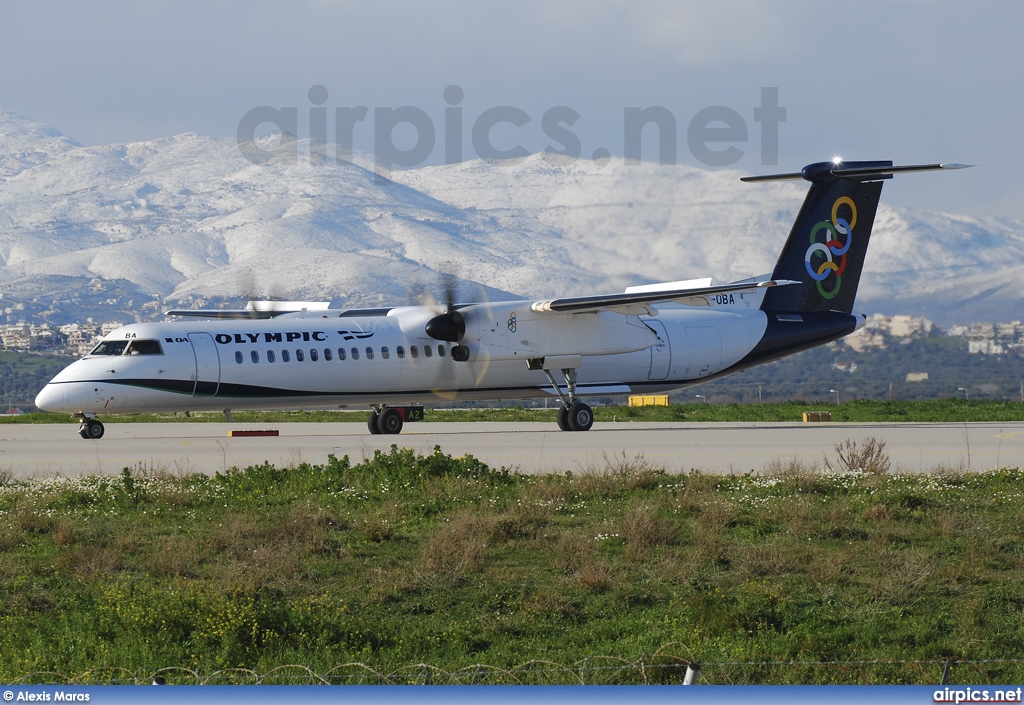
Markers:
(660, 667)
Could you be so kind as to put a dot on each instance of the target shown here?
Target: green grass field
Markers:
(944, 410)
(404, 560)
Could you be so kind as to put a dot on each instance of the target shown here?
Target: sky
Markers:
(915, 81)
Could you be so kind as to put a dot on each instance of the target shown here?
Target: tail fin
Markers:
(829, 240)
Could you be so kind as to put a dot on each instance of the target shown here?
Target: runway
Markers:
(49, 449)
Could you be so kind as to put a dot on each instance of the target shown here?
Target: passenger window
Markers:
(299, 356)
(414, 351)
(400, 351)
(427, 352)
(255, 356)
(327, 354)
(355, 353)
(384, 353)
(270, 355)
(286, 356)
(144, 347)
(238, 356)
(341, 353)
(440, 351)
(313, 355)
(369, 353)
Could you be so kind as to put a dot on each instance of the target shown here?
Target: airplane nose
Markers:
(52, 397)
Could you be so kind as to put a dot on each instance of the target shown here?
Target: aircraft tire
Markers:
(83, 432)
(373, 423)
(93, 430)
(390, 422)
(563, 419)
(581, 417)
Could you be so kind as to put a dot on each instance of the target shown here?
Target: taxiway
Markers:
(49, 449)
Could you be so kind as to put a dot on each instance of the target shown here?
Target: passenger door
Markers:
(207, 376)
(661, 352)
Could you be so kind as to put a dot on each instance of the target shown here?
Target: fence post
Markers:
(692, 671)
(946, 668)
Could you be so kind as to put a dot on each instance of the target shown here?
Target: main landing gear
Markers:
(91, 429)
(390, 419)
(573, 415)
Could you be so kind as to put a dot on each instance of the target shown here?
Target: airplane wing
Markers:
(252, 310)
(638, 301)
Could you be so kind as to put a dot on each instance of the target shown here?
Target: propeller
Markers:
(449, 325)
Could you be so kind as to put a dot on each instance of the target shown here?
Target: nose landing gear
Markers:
(91, 429)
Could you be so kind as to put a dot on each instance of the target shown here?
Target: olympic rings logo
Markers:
(832, 248)
(512, 322)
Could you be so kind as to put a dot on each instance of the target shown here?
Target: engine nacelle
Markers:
(511, 330)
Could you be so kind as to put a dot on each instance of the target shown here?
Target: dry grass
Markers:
(879, 512)
(708, 541)
(455, 550)
(787, 468)
(643, 528)
(573, 549)
(576, 553)
(131, 539)
(551, 604)
(263, 567)
(236, 535)
(619, 474)
(65, 531)
(10, 537)
(177, 555)
(801, 515)
(90, 560)
(517, 523)
(30, 520)
(767, 559)
(903, 574)
(594, 576)
(698, 487)
(311, 532)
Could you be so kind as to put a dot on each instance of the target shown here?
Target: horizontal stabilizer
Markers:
(825, 171)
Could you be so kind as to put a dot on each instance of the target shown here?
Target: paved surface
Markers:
(47, 449)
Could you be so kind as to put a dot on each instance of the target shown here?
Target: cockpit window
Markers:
(110, 347)
(144, 347)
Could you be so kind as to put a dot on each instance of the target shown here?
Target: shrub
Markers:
(869, 457)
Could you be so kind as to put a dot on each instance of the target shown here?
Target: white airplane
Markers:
(653, 338)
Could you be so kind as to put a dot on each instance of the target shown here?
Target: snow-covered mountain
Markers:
(187, 218)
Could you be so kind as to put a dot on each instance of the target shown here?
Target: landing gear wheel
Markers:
(563, 419)
(373, 423)
(91, 430)
(581, 417)
(390, 421)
